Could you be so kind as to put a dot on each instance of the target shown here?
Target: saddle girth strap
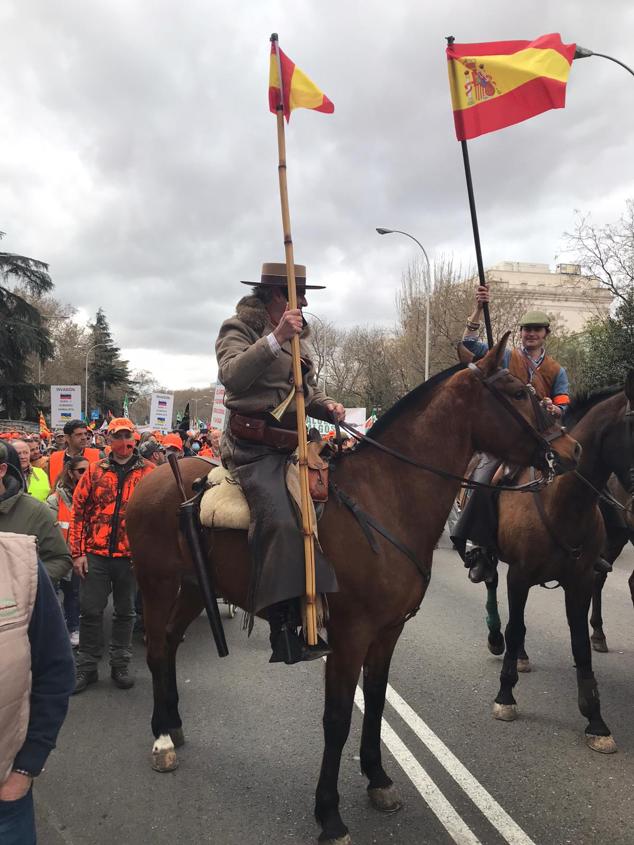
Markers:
(574, 552)
(366, 522)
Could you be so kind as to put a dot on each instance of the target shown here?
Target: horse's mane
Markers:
(583, 401)
(411, 398)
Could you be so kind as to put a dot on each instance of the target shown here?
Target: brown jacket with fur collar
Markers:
(255, 379)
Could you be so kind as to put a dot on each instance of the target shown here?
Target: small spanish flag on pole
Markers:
(500, 83)
(296, 90)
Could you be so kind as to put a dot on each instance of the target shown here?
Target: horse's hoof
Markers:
(177, 737)
(505, 712)
(495, 643)
(602, 744)
(386, 800)
(523, 664)
(164, 757)
(600, 645)
(343, 840)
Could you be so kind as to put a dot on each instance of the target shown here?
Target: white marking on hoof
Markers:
(386, 799)
(163, 754)
(524, 665)
(343, 840)
(602, 744)
(505, 712)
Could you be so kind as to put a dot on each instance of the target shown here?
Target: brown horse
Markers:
(617, 538)
(443, 421)
(558, 537)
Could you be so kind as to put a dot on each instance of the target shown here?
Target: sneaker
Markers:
(121, 677)
(74, 639)
(84, 679)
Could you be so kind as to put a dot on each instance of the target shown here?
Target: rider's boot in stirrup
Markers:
(602, 566)
(288, 645)
(481, 565)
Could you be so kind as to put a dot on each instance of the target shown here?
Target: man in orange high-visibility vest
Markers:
(76, 437)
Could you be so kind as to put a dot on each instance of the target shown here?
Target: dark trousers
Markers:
(478, 521)
(70, 593)
(17, 821)
(106, 575)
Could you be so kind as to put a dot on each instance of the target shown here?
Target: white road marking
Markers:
(433, 797)
(483, 800)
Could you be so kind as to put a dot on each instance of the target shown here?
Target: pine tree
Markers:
(108, 375)
(23, 333)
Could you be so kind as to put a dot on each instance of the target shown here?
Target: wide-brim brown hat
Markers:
(274, 275)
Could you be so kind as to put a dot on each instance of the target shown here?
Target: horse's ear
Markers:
(629, 385)
(492, 361)
(464, 356)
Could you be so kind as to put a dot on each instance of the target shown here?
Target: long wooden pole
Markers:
(300, 404)
(474, 226)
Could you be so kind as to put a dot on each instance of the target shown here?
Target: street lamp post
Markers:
(584, 53)
(94, 346)
(382, 231)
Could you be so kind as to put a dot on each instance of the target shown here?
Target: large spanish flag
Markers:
(504, 82)
(298, 91)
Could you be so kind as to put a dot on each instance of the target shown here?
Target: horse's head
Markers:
(509, 422)
(617, 437)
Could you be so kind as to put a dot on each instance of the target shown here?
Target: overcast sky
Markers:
(138, 156)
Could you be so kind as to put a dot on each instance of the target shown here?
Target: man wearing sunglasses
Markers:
(101, 555)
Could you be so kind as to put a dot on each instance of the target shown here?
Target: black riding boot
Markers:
(481, 564)
(288, 645)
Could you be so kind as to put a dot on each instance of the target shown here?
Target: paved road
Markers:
(250, 765)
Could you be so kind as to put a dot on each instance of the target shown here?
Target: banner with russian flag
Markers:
(500, 83)
(295, 89)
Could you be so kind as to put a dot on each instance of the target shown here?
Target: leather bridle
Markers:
(539, 435)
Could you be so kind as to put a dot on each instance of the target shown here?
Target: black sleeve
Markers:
(53, 677)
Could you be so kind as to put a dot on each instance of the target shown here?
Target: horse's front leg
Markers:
(505, 706)
(598, 736)
(376, 668)
(598, 640)
(342, 672)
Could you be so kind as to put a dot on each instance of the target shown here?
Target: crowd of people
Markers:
(64, 550)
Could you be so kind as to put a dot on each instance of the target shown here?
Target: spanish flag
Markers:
(505, 82)
(296, 91)
(44, 432)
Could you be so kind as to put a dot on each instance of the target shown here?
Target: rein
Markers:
(468, 483)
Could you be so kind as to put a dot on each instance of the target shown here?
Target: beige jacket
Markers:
(255, 379)
(18, 588)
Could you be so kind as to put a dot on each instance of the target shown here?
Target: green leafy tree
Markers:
(23, 333)
(109, 379)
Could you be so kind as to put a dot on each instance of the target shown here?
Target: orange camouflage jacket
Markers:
(97, 522)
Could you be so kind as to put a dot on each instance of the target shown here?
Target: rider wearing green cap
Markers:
(530, 363)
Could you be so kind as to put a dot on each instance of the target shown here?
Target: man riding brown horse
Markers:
(253, 350)
(549, 380)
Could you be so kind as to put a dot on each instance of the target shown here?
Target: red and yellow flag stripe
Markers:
(497, 84)
(299, 91)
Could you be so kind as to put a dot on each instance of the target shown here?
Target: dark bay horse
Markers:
(559, 538)
(617, 538)
(443, 422)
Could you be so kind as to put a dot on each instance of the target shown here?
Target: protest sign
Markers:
(65, 404)
(161, 409)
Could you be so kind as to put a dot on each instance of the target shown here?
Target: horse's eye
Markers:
(521, 394)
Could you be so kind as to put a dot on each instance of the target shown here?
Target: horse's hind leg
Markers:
(342, 673)
(598, 736)
(495, 639)
(188, 606)
(505, 706)
(159, 597)
(381, 790)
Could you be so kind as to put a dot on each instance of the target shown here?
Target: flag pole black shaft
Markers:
(476, 239)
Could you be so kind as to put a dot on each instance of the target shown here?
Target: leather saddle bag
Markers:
(317, 472)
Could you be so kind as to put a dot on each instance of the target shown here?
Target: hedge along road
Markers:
(250, 765)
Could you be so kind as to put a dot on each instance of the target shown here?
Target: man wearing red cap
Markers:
(101, 555)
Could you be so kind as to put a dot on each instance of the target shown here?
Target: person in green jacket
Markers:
(22, 514)
(36, 480)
